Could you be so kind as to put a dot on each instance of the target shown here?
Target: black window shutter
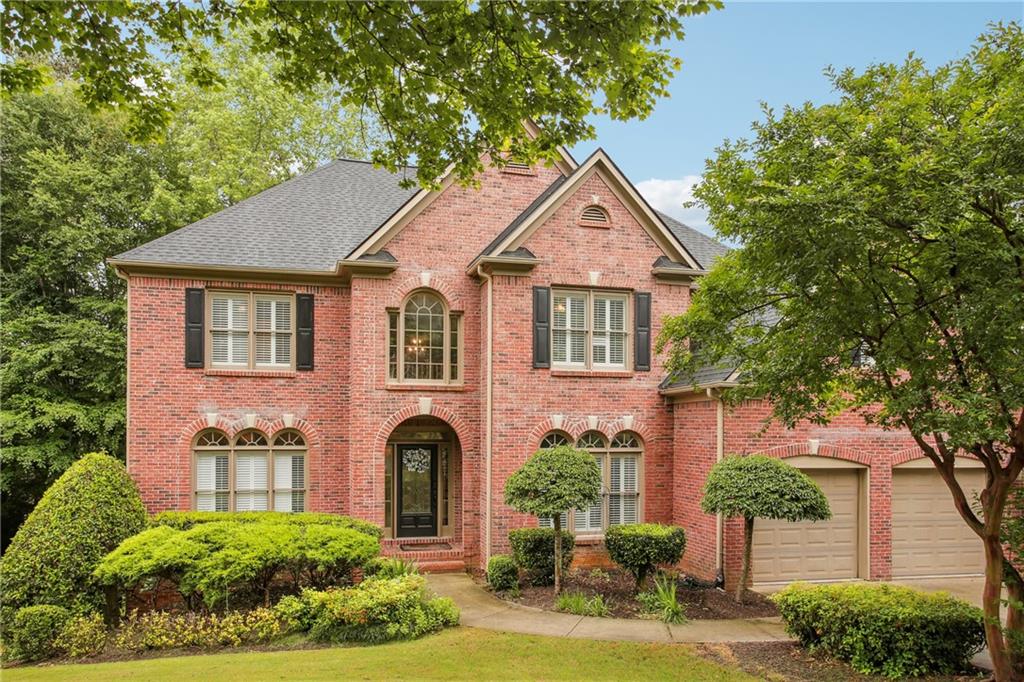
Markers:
(304, 332)
(541, 327)
(642, 332)
(195, 312)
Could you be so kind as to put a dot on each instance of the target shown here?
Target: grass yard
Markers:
(459, 654)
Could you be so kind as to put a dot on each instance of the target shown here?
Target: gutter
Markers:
(488, 419)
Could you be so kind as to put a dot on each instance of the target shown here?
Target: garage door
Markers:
(824, 550)
(928, 535)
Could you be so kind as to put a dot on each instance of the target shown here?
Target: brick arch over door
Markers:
(449, 417)
(803, 448)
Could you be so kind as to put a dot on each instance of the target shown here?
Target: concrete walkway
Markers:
(481, 609)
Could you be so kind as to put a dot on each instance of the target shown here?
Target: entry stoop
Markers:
(431, 555)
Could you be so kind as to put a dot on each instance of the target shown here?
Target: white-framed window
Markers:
(620, 503)
(589, 329)
(250, 330)
(424, 341)
(236, 476)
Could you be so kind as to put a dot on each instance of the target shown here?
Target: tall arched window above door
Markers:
(424, 341)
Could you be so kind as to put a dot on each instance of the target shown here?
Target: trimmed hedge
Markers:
(641, 547)
(502, 573)
(85, 514)
(884, 629)
(35, 631)
(217, 562)
(188, 520)
(533, 550)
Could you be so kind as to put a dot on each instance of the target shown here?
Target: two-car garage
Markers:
(928, 536)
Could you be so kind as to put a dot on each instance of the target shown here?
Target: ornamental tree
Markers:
(553, 481)
(881, 267)
(760, 487)
(449, 81)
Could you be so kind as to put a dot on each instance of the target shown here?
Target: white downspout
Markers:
(487, 416)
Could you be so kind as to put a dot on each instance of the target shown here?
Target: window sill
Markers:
(390, 386)
(262, 373)
(596, 373)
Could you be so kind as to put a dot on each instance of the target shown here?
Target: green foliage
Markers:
(554, 480)
(884, 629)
(450, 81)
(502, 573)
(83, 636)
(662, 601)
(377, 610)
(579, 604)
(186, 520)
(296, 613)
(217, 562)
(34, 631)
(533, 550)
(163, 630)
(760, 487)
(85, 514)
(640, 547)
(389, 567)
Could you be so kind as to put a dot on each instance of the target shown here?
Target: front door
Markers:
(417, 490)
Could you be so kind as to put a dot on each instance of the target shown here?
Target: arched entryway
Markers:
(422, 480)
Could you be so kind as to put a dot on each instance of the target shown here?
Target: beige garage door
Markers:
(824, 550)
(928, 535)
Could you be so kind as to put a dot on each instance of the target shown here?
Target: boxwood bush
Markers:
(533, 550)
(35, 630)
(85, 514)
(884, 629)
(639, 548)
(502, 573)
(187, 520)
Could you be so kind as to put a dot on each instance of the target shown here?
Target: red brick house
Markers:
(338, 343)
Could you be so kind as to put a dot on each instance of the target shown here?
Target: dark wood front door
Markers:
(417, 490)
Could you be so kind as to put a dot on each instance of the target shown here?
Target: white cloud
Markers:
(668, 197)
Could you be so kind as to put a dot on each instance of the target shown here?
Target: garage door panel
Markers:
(928, 535)
(823, 550)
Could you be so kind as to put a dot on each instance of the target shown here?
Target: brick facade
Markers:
(348, 410)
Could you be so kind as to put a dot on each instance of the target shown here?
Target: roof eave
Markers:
(502, 265)
(688, 389)
(677, 275)
(125, 267)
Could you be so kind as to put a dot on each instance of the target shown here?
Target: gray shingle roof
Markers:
(309, 222)
(705, 375)
(702, 247)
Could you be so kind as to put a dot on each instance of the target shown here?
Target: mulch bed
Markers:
(702, 602)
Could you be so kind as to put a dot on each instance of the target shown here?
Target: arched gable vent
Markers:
(594, 215)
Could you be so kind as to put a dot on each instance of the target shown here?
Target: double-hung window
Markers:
(250, 473)
(589, 329)
(251, 330)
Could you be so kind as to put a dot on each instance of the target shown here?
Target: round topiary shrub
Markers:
(35, 630)
(533, 550)
(502, 573)
(640, 547)
(85, 514)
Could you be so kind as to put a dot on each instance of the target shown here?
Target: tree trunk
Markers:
(748, 542)
(991, 601)
(557, 518)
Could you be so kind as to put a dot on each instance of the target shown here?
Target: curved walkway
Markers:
(481, 609)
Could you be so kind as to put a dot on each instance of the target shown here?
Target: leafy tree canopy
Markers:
(449, 81)
(553, 481)
(760, 487)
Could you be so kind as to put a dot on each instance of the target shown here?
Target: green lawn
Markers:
(461, 653)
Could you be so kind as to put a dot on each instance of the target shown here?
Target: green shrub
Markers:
(884, 629)
(35, 631)
(187, 520)
(217, 562)
(295, 612)
(577, 603)
(163, 630)
(389, 567)
(640, 548)
(83, 636)
(662, 601)
(379, 610)
(533, 550)
(86, 513)
(502, 573)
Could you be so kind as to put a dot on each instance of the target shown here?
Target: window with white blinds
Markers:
(236, 476)
(623, 490)
(250, 330)
(589, 329)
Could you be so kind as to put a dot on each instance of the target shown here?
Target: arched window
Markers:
(423, 341)
(594, 215)
(553, 439)
(237, 477)
(620, 465)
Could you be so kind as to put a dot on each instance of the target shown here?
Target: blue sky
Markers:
(750, 52)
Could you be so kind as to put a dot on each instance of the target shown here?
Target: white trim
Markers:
(924, 463)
